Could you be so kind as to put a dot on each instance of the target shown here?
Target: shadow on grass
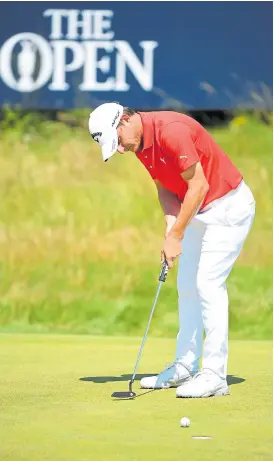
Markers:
(234, 380)
(111, 379)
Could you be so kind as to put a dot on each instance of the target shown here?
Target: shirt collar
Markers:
(148, 130)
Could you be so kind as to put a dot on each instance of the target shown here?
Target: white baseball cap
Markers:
(102, 125)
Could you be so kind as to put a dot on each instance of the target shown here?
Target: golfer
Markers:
(208, 212)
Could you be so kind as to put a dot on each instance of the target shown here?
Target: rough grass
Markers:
(56, 403)
(80, 240)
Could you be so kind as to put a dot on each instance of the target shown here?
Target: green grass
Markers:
(80, 240)
(56, 403)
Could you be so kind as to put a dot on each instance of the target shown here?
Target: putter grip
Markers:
(164, 272)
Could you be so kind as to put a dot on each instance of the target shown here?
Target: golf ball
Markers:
(185, 422)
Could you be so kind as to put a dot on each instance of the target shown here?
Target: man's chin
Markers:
(121, 150)
(130, 148)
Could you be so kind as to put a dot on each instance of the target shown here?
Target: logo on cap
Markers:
(115, 118)
(96, 136)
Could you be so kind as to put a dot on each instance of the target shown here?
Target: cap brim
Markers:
(109, 147)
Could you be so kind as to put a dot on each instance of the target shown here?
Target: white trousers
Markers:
(212, 242)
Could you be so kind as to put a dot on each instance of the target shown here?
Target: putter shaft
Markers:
(130, 393)
(145, 335)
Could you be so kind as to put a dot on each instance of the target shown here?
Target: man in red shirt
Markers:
(208, 211)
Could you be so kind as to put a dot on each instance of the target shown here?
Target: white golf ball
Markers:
(185, 422)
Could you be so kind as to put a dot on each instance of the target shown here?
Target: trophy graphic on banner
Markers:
(26, 65)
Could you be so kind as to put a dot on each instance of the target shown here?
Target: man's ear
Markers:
(124, 118)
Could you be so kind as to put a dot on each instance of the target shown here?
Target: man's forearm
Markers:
(171, 206)
(191, 204)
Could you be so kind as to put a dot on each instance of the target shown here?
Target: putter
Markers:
(130, 394)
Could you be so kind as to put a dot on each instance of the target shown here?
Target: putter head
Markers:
(124, 395)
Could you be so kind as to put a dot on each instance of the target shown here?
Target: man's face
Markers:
(129, 136)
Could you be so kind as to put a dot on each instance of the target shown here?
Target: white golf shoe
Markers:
(206, 383)
(174, 375)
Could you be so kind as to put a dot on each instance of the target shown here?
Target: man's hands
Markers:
(172, 248)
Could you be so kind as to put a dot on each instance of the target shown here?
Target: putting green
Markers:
(56, 403)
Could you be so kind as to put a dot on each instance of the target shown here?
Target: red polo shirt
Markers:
(172, 142)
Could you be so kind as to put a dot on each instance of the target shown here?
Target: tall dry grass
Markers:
(80, 239)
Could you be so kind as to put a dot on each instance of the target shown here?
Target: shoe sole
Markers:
(168, 387)
(218, 393)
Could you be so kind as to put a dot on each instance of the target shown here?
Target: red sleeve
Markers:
(176, 142)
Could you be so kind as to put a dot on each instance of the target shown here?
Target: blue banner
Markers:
(147, 55)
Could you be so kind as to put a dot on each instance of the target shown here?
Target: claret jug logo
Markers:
(79, 40)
